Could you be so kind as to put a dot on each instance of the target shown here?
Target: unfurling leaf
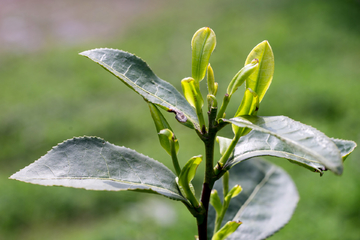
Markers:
(161, 124)
(186, 175)
(212, 101)
(226, 230)
(94, 164)
(241, 76)
(212, 85)
(215, 201)
(202, 44)
(249, 106)
(260, 80)
(171, 139)
(192, 92)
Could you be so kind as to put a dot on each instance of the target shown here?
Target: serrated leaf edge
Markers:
(151, 187)
(173, 108)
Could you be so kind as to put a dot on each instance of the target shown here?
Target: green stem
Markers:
(200, 116)
(220, 217)
(227, 153)
(174, 158)
(223, 106)
(225, 181)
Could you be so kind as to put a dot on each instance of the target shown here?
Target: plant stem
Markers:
(228, 151)
(224, 106)
(209, 180)
(174, 158)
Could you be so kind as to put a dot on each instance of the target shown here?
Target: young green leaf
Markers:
(284, 137)
(192, 92)
(187, 174)
(249, 106)
(236, 190)
(241, 76)
(173, 148)
(137, 75)
(212, 101)
(226, 230)
(212, 85)
(215, 201)
(193, 96)
(160, 124)
(266, 203)
(260, 80)
(202, 44)
(94, 164)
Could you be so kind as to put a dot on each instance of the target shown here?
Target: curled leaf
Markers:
(212, 102)
(241, 76)
(249, 106)
(168, 135)
(215, 201)
(186, 175)
(212, 85)
(192, 92)
(161, 124)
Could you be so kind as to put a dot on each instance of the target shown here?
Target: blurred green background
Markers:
(48, 94)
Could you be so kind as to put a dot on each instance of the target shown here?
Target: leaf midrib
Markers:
(201, 54)
(254, 192)
(129, 80)
(102, 179)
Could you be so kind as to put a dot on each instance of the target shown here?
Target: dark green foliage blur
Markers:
(54, 94)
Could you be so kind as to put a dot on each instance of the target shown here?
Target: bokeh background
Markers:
(48, 94)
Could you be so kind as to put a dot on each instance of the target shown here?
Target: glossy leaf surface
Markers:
(283, 137)
(260, 80)
(266, 203)
(94, 164)
(136, 74)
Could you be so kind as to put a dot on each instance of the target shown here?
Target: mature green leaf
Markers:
(260, 80)
(289, 139)
(345, 146)
(137, 75)
(254, 145)
(94, 164)
(266, 203)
